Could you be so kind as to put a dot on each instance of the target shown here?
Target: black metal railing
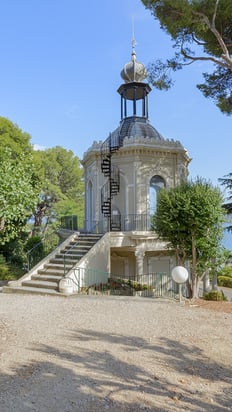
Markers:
(132, 222)
(155, 285)
(125, 223)
(69, 222)
(42, 249)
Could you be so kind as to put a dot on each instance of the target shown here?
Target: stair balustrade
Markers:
(42, 249)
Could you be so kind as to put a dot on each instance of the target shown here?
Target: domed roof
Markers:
(135, 126)
(133, 71)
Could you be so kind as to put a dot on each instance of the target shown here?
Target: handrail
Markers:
(125, 223)
(65, 258)
(42, 249)
(69, 222)
(66, 253)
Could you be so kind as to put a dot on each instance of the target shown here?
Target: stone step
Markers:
(50, 272)
(81, 245)
(90, 235)
(47, 278)
(86, 245)
(88, 238)
(29, 290)
(40, 284)
(69, 260)
(74, 249)
(67, 255)
(57, 266)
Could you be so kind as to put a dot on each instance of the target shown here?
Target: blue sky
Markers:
(60, 70)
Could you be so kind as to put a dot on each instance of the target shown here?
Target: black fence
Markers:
(156, 285)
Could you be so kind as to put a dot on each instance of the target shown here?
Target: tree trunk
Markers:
(206, 282)
(180, 257)
(195, 280)
(181, 261)
(214, 282)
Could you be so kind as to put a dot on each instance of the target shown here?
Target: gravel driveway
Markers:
(96, 353)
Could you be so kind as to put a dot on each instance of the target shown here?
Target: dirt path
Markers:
(96, 353)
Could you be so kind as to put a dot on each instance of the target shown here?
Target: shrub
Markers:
(216, 295)
(226, 271)
(4, 272)
(225, 281)
(9, 271)
(32, 242)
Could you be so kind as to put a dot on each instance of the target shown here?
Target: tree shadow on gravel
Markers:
(189, 359)
(89, 375)
(100, 366)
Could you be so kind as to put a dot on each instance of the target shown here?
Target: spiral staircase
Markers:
(112, 185)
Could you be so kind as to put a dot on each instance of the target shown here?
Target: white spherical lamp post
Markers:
(180, 276)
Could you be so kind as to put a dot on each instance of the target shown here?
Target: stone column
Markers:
(139, 254)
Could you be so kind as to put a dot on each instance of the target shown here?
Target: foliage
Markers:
(62, 189)
(13, 138)
(43, 184)
(4, 270)
(201, 31)
(38, 247)
(225, 281)
(9, 271)
(216, 295)
(118, 283)
(14, 252)
(20, 182)
(226, 271)
(190, 218)
(227, 182)
(18, 193)
(32, 242)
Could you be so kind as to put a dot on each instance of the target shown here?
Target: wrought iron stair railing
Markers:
(112, 186)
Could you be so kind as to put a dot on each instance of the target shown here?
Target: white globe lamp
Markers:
(180, 276)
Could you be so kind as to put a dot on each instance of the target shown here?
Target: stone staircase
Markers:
(45, 280)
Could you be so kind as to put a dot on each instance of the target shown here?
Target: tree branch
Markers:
(215, 13)
(200, 43)
(202, 58)
(212, 28)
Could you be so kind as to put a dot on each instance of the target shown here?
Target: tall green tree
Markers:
(226, 181)
(18, 193)
(11, 136)
(19, 181)
(201, 31)
(62, 188)
(190, 218)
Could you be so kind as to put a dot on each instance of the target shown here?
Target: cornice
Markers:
(140, 145)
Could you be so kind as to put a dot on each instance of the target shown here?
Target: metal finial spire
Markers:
(133, 40)
(133, 71)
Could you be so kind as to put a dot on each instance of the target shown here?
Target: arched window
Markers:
(156, 183)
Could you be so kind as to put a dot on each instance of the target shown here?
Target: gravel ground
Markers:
(103, 353)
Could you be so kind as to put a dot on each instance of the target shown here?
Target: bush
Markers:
(9, 271)
(32, 242)
(4, 272)
(225, 281)
(226, 271)
(216, 295)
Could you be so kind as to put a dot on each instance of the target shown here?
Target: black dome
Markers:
(136, 126)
